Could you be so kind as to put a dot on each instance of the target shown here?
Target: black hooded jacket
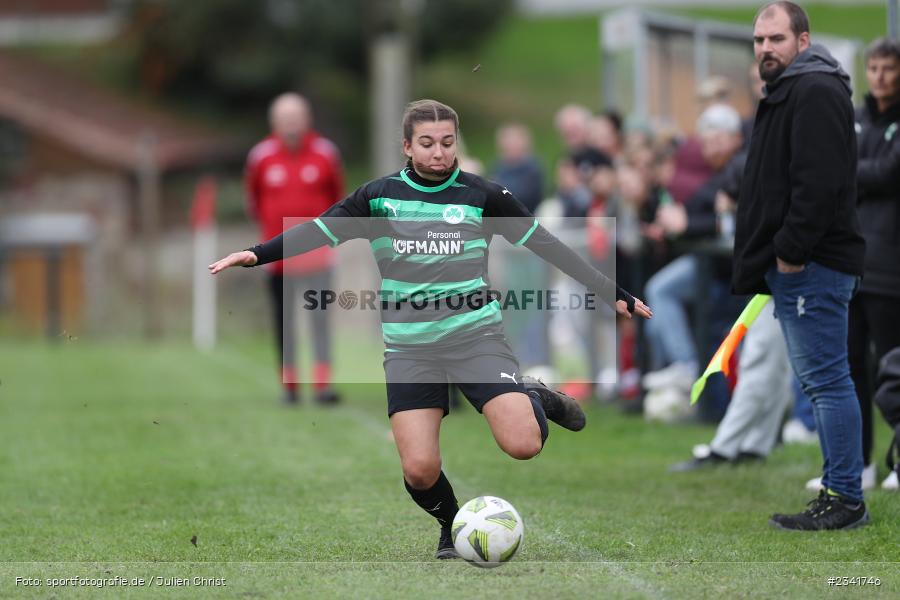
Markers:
(878, 179)
(798, 193)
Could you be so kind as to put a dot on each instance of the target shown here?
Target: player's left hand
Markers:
(640, 309)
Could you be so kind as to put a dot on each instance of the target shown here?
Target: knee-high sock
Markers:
(438, 500)
(539, 414)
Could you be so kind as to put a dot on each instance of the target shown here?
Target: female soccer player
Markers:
(429, 226)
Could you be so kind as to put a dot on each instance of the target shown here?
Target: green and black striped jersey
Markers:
(431, 242)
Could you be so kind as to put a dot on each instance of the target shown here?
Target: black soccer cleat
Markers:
(560, 408)
(825, 512)
(445, 549)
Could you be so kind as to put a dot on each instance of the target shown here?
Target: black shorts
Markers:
(421, 379)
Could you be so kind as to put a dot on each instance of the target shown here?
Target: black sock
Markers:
(539, 415)
(438, 500)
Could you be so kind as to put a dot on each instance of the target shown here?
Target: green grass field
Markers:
(113, 456)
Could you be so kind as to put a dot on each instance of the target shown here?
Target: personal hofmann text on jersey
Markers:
(431, 246)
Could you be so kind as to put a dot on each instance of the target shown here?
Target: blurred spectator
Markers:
(639, 133)
(628, 200)
(674, 355)
(519, 171)
(874, 325)
(888, 400)
(605, 134)
(642, 157)
(571, 123)
(517, 168)
(691, 170)
(602, 234)
(655, 252)
(713, 90)
(633, 194)
(572, 190)
(291, 176)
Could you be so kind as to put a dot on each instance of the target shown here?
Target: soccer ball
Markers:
(487, 531)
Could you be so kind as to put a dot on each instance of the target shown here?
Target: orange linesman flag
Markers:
(721, 359)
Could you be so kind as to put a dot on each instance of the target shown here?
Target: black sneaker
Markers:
(445, 549)
(710, 460)
(825, 511)
(748, 458)
(327, 397)
(560, 408)
(290, 398)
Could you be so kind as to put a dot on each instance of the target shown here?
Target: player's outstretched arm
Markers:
(296, 240)
(551, 249)
(520, 227)
(245, 258)
(346, 220)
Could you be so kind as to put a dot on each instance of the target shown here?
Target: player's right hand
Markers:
(640, 309)
(245, 258)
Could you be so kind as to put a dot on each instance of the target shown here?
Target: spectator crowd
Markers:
(674, 197)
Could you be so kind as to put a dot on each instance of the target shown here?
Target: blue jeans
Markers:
(803, 408)
(669, 292)
(813, 307)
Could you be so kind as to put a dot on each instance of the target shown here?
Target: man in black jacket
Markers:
(875, 311)
(798, 238)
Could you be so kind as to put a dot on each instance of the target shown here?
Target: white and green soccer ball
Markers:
(487, 531)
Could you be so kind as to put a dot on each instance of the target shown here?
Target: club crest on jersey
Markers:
(454, 214)
(275, 175)
(309, 173)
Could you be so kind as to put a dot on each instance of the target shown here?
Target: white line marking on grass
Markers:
(370, 423)
(592, 556)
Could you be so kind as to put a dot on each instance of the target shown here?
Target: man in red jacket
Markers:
(292, 176)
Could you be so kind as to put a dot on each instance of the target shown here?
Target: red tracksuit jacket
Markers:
(296, 185)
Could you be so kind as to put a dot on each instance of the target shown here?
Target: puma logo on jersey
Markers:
(506, 191)
(390, 206)
(508, 376)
